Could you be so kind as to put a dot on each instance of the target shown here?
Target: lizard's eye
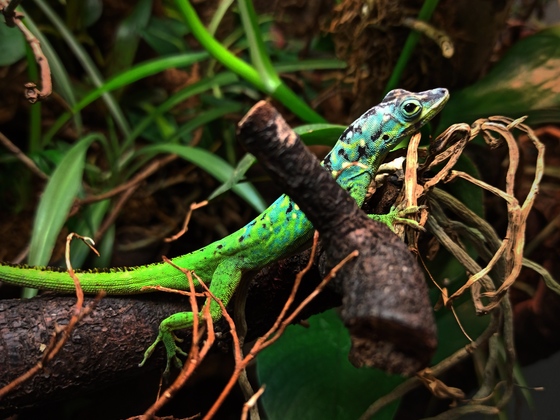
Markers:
(411, 108)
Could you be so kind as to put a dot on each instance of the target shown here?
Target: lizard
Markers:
(277, 232)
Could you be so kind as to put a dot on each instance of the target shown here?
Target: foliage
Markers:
(136, 115)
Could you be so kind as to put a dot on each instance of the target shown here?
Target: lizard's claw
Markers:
(171, 349)
(399, 216)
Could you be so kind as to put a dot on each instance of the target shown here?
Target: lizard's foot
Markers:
(399, 216)
(169, 340)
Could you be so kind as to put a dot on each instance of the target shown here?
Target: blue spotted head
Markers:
(368, 140)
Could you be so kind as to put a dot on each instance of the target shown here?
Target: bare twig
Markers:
(9, 11)
(279, 326)
(196, 354)
(193, 206)
(153, 167)
(251, 402)
(22, 156)
(438, 36)
(14, 18)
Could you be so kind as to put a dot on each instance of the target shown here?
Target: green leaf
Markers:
(165, 35)
(238, 173)
(214, 165)
(60, 192)
(89, 66)
(127, 37)
(326, 134)
(526, 81)
(12, 45)
(137, 72)
(308, 375)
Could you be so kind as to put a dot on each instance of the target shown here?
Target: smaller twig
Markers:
(9, 11)
(438, 36)
(195, 355)
(279, 326)
(90, 243)
(193, 206)
(22, 156)
(170, 290)
(227, 317)
(458, 412)
(154, 166)
(460, 135)
(437, 370)
(312, 295)
(32, 94)
(292, 296)
(251, 402)
(411, 190)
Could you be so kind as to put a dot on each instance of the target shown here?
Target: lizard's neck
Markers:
(356, 156)
(362, 144)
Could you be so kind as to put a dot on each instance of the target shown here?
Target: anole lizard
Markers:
(276, 233)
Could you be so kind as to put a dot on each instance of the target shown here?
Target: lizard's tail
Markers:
(120, 281)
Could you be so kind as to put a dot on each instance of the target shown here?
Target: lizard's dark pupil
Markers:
(410, 108)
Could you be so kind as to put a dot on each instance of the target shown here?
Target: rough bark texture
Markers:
(385, 299)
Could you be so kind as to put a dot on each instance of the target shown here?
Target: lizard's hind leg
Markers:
(225, 280)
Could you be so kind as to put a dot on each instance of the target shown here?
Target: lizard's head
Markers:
(401, 113)
(372, 136)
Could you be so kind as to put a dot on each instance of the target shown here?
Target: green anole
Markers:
(276, 233)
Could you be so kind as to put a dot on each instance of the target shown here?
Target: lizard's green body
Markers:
(276, 233)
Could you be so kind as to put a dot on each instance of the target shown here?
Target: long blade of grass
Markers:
(60, 192)
(204, 118)
(87, 64)
(259, 55)
(214, 165)
(35, 110)
(177, 98)
(139, 71)
(219, 15)
(282, 93)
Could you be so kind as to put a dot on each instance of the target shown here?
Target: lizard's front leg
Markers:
(225, 280)
(398, 216)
